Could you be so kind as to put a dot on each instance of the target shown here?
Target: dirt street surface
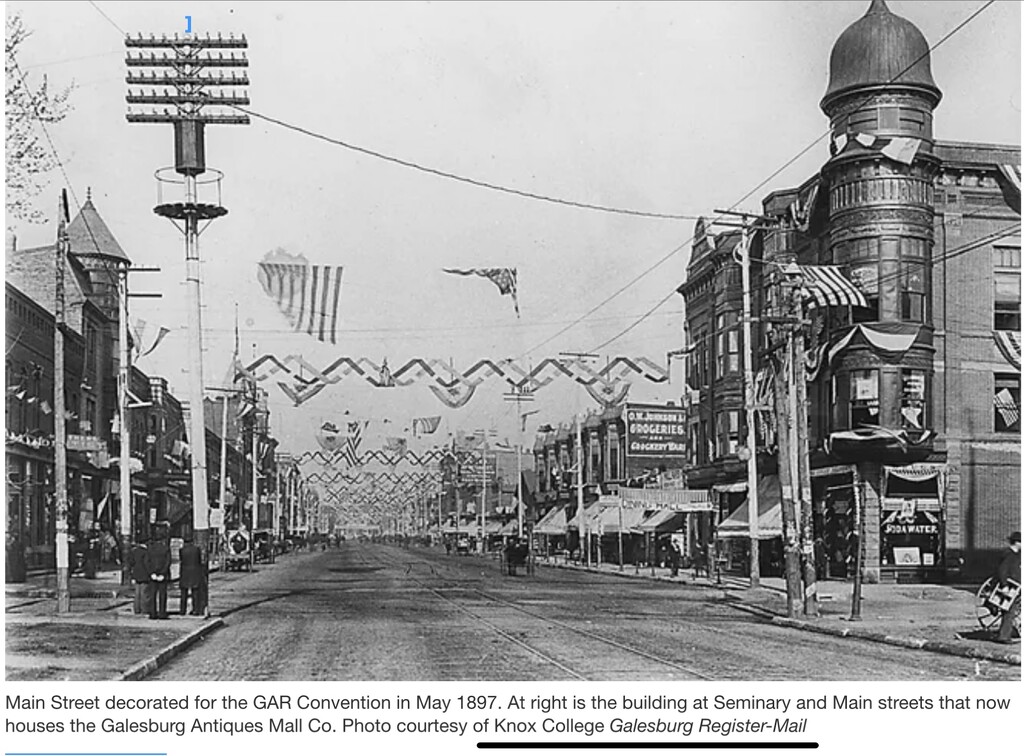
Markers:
(379, 612)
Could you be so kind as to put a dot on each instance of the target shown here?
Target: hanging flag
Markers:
(1007, 407)
(504, 278)
(140, 347)
(426, 425)
(156, 342)
(902, 149)
(307, 295)
(45, 407)
(865, 140)
(825, 286)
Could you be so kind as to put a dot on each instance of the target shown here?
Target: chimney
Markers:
(11, 244)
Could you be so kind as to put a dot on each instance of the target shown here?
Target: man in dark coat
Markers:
(140, 576)
(1009, 575)
(192, 579)
(158, 564)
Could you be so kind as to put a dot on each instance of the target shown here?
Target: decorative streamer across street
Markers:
(608, 385)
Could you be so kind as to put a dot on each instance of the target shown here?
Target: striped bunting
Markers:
(825, 286)
(1012, 174)
(1008, 343)
(308, 295)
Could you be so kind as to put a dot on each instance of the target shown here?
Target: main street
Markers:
(381, 612)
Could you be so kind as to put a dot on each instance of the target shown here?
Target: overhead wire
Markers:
(775, 173)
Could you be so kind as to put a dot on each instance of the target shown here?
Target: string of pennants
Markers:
(608, 385)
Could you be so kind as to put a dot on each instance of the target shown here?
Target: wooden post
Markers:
(60, 452)
(784, 413)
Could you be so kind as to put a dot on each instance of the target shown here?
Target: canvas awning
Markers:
(608, 520)
(589, 512)
(663, 521)
(553, 523)
(769, 505)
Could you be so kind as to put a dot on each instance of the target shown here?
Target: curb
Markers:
(939, 647)
(38, 593)
(147, 666)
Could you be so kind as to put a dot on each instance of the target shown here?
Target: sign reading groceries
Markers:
(654, 431)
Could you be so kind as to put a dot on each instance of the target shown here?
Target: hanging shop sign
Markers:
(655, 431)
(78, 442)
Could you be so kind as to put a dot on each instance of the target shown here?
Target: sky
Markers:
(673, 108)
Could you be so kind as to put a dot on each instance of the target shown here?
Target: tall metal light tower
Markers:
(181, 72)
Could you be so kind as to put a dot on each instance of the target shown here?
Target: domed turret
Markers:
(878, 50)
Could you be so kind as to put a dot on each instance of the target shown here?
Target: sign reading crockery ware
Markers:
(653, 431)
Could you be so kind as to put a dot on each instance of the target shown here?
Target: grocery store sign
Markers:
(654, 431)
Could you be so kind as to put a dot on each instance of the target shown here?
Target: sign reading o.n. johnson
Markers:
(655, 431)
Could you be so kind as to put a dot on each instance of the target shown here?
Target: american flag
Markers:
(1007, 407)
(308, 295)
(350, 449)
(504, 278)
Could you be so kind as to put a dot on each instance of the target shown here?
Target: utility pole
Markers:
(803, 466)
(584, 544)
(180, 77)
(127, 533)
(749, 401)
(60, 452)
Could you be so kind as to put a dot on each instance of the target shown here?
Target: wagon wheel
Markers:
(988, 616)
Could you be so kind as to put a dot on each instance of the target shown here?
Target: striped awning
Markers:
(825, 286)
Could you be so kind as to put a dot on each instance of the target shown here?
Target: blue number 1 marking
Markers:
(188, 29)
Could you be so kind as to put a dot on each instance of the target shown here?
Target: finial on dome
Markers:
(878, 6)
(88, 194)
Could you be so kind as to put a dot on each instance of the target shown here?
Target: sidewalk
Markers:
(939, 618)
(99, 639)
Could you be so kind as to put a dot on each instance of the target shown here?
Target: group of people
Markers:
(150, 566)
(517, 551)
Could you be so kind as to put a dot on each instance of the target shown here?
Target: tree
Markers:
(28, 110)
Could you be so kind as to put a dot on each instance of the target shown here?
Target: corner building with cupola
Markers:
(913, 391)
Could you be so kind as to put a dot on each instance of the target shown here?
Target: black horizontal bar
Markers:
(716, 745)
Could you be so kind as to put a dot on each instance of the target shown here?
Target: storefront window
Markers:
(913, 400)
(1006, 403)
(863, 398)
(912, 518)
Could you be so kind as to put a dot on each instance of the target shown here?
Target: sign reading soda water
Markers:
(654, 431)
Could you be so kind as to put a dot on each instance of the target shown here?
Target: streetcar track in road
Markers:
(743, 640)
(439, 592)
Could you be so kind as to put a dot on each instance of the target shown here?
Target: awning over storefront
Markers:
(663, 521)
(738, 487)
(553, 523)
(608, 521)
(589, 513)
(769, 504)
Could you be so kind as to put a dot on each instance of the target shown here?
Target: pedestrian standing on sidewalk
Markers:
(158, 564)
(140, 576)
(1009, 570)
(674, 556)
(191, 577)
